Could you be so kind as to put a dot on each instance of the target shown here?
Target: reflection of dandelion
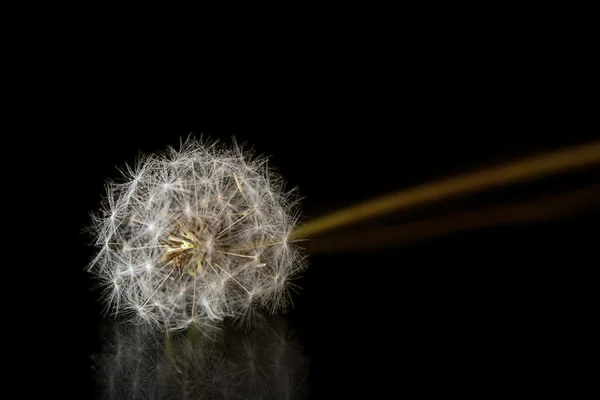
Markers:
(195, 236)
(264, 363)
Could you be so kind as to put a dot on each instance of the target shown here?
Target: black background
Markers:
(363, 107)
(483, 311)
(480, 311)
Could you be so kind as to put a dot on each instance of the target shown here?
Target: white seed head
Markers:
(196, 235)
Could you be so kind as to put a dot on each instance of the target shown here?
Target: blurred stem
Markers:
(193, 334)
(539, 209)
(169, 345)
(534, 167)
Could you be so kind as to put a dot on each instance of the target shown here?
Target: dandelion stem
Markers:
(537, 166)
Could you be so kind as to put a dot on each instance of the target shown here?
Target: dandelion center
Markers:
(184, 250)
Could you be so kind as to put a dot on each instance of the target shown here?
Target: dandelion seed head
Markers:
(201, 231)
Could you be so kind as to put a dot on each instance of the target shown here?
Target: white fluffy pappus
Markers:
(195, 235)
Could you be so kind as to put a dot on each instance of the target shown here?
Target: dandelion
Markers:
(196, 235)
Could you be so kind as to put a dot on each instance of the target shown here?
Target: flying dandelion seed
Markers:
(196, 235)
